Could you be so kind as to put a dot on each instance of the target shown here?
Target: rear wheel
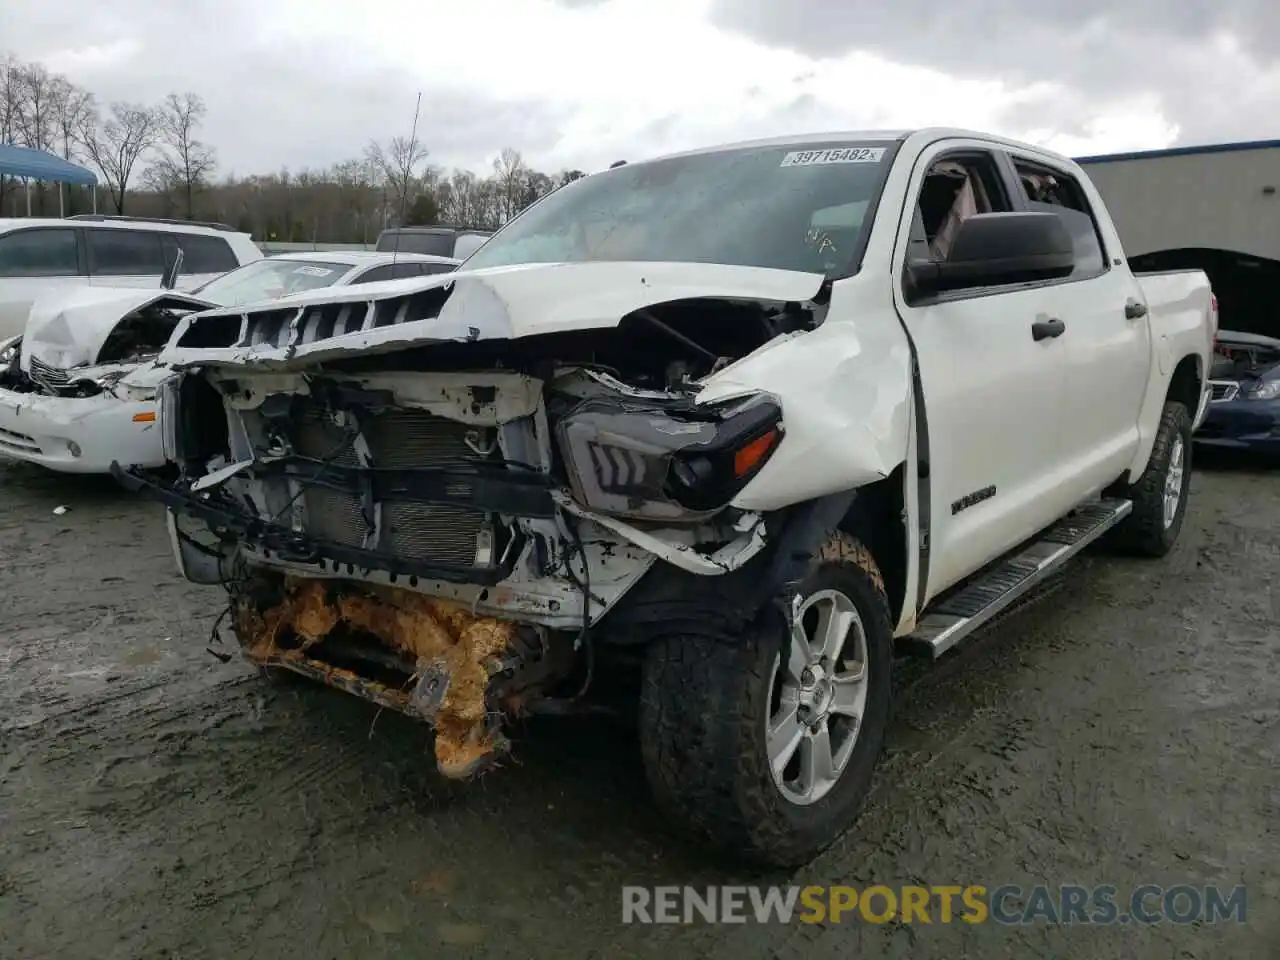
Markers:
(1160, 495)
(765, 746)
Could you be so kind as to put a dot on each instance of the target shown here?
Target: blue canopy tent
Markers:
(38, 165)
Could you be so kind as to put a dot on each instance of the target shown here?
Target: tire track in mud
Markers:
(154, 802)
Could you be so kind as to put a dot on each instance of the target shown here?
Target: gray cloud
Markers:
(271, 106)
(1099, 51)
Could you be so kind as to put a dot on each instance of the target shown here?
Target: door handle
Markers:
(1134, 310)
(1047, 329)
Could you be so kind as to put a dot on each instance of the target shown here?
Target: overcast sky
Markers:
(580, 83)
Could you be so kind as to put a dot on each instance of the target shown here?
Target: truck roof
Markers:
(925, 134)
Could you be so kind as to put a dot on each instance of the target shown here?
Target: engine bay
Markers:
(138, 337)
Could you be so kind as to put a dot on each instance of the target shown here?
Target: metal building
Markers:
(1215, 207)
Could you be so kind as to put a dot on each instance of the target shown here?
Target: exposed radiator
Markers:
(400, 439)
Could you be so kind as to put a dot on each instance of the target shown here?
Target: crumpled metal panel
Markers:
(491, 304)
(437, 636)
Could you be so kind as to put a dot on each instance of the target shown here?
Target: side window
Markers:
(431, 269)
(125, 253)
(47, 252)
(402, 270)
(1056, 192)
(375, 275)
(203, 254)
(954, 189)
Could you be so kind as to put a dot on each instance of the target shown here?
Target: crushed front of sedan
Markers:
(78, 388)
(430, 493)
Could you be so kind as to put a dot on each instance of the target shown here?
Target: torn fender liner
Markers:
(453, 652)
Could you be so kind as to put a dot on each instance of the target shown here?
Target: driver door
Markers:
(993, 395)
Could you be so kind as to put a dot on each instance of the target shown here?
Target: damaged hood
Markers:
(496, 303)
(68, 328)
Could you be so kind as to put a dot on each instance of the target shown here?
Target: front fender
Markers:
(845, 392)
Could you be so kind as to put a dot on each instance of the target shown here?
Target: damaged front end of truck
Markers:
(432, 493)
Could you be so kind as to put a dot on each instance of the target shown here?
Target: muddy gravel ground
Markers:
(157, 803)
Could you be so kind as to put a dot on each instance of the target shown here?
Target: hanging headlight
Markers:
(644, 460)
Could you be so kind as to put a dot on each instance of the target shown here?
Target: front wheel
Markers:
(1160, 495)
(765, 746)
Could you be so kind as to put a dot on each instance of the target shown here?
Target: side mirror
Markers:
(991, 249)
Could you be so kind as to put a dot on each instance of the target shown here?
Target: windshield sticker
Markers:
(809, 158)
(313, 271)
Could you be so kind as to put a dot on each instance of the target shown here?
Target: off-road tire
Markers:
(703, 711)
(1143, 532)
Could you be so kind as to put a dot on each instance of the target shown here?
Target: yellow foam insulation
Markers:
(424, 628)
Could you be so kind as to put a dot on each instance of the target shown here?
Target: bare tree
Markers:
(511, 175)
(116, 145)
(185, 163)
(351, 201)
(71, 108)
(35, 116)
(398, 164)
(10, 100)
(355, 180)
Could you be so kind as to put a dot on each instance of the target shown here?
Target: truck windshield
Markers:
(798, 207)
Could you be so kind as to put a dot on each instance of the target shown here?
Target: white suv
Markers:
(39, 255)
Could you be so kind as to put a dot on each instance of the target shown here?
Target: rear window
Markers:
(435, 244)
(205, 254)
(269, 278)
(47, 252)
(400, 271)
(125, 253)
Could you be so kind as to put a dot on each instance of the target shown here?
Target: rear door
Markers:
(35, 261)
(1107, 342)
(122, 257)
(993, 394)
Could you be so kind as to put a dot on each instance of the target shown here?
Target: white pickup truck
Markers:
(743, 418)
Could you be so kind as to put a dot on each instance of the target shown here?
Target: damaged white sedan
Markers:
(77, 389)
(728, 424)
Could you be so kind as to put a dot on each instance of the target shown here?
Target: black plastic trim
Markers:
(924, 488)
(809, 525)
(299, 548)
(497, 491)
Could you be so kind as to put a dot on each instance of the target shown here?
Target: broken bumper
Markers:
(428, 659)
(79, 435)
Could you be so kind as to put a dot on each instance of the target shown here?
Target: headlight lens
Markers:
(1263, 390)
(646, 460)
(8, 354)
